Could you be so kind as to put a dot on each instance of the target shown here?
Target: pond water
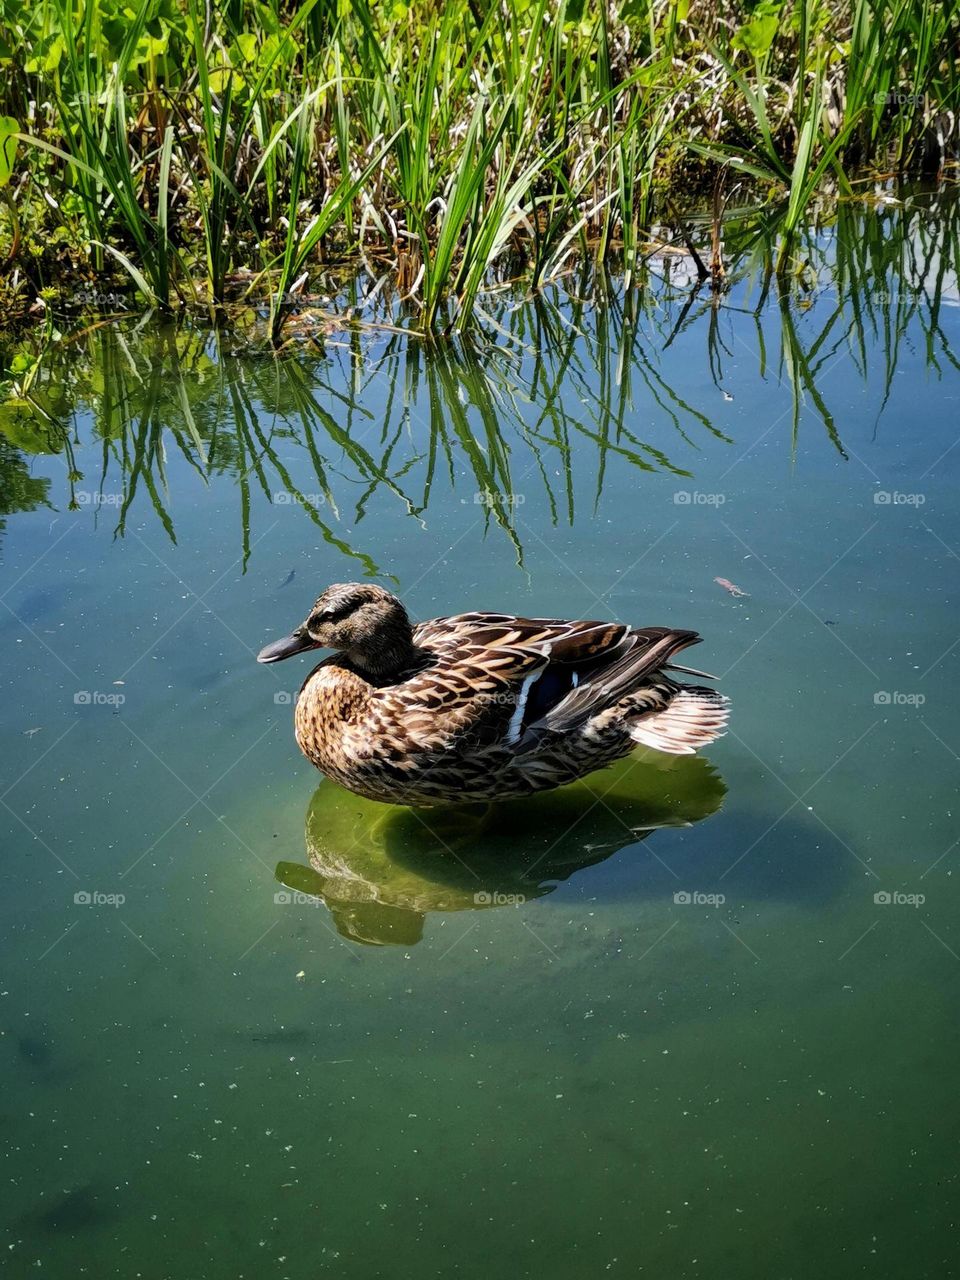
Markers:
(692, 1017)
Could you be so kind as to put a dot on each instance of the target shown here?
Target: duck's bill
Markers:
(297, 642)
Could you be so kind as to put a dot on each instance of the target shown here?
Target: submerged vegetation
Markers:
(205, 155)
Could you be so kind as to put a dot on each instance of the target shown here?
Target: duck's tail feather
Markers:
(688, 671)
(635, 657)
(695, 717)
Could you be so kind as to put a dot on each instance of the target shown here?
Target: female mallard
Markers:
(482, 706)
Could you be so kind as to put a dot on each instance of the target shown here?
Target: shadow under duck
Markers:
(484, 706)
(382, 871)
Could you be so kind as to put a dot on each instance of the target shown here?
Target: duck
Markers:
(484, 706)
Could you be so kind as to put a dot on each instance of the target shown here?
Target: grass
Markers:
(211, 154)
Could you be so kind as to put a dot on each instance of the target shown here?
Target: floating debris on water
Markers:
(730, 586)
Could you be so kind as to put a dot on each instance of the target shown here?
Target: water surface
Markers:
(255, 1026)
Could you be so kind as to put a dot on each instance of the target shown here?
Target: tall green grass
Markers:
(209, 153)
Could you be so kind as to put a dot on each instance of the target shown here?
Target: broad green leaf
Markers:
(246, 46)
(756, 36)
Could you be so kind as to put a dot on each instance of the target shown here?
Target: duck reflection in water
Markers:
(382, 870)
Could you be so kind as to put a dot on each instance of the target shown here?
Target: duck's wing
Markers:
(518, 678)
(597, 681)
(468, 692)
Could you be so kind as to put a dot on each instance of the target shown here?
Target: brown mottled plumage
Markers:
(482, 706)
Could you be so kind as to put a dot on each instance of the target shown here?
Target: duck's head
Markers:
(359, 619)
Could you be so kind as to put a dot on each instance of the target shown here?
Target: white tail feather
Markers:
(694, 718)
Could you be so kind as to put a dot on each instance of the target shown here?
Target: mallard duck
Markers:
(484, 706)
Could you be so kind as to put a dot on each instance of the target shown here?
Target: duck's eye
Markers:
(332, 615)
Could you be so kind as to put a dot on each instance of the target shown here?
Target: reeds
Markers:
(579, 375)
(216, 153)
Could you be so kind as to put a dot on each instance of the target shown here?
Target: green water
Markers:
(315, 1037)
